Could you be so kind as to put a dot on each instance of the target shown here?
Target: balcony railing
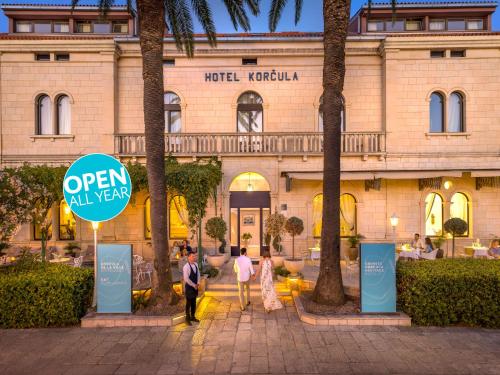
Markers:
(195, 144)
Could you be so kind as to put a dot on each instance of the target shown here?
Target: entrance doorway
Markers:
(250, 204)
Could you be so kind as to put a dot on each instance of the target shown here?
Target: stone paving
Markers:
(228, 341)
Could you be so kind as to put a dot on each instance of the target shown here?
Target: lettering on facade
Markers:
(267, 76)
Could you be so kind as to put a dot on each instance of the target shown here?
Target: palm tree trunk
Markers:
(151, 32)
(329, 289)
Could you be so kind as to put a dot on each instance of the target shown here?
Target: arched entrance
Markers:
(250, 204)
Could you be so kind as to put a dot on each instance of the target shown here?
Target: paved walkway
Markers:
(229, 341)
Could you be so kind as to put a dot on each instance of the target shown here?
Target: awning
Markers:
(485, 173)
(363, 175)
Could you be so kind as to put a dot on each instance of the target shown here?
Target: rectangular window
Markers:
(42, 56)
(62, 57)
(413, 25)
(475, 25)
(102, 28)
(169, 62)
(24, 27)
(83, 27)
(375, 26)
(438, 54)
(61, 27)
(396, 25)
(456, 24)
(43, 27)
(457, 53)
(437, 25)
(248, 61)
(120, 27)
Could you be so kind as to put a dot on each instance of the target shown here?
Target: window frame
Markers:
(466, 235)
(170, 220)
(442, 214)
(355, 230)
(38, 114)
(249, 108)
(119, 22)
(443, 113)
(171, 108)
(57, 114)
(70, 238)
(443, 20)
(456, 19)
(51, 231)
(462, 113)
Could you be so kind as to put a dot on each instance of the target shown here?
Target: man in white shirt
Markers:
(191, 276)
(244, 270)
(417, 243)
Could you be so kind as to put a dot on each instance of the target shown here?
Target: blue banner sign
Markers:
(97, 187)
(114, 278)
(378, 278)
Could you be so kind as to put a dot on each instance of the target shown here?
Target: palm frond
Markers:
(298, 10)
(180, 24)
(104, 6)
(237, 14)
(277, 7)
(254, 6)
(204, 15)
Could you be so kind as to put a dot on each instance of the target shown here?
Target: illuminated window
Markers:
(459, 207)
(347, 215)
(67, 222)
(37, 228)
(250, 113)
(178, 218)
(320, 113)
(433, 215)
(147, 219)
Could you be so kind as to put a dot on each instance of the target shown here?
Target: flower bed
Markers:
(44, 295)
(450, 291)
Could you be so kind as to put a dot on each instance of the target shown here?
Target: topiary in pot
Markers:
(216, 229)
(294, 227)
(456, 227)
(275, 227)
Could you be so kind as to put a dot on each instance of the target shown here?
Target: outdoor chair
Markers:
(77, 262)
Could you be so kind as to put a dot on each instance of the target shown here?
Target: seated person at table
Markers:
(429, 247)
(185, 248)
(494, 249)
(417, 243)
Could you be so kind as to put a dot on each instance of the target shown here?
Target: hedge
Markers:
(49, 295)
(450, 292)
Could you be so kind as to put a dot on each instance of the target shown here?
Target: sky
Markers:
(311, 20)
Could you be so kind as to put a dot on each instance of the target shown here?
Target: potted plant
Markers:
(294, 227)
(275, 228)
(438, 242)
(456, 227)
(246, 237)
(216, 229)
(354, 242)
(70, 248)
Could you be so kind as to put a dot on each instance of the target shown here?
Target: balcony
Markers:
(251, 144)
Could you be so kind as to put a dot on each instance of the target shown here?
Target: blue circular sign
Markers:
(97, 187)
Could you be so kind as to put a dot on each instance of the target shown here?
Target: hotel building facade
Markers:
(421, 119)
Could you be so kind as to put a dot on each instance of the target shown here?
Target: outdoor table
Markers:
(480, 252)
(411, 254)
(60, 260)
(315, 253)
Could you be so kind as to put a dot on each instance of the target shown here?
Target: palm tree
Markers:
(329, 289)
(176, 17)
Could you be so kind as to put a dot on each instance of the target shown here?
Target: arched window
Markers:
(459, 207)
(43, 115)
(320, 113)
(249, 181)
(347, 215)
(172, 108)
(147, 219)
(67, 222)
(433, 215)
(250, 113)
(63, 115)
(436, 110)
(456, 113)
(178, 218)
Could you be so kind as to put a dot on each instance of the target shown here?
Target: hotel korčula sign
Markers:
(260, 76)
(97, 187)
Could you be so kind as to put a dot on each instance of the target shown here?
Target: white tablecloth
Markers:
(413, 254)
(480, 252)
(60, 260)
(315, 253)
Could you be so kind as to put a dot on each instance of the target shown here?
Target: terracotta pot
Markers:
(353, 253)
(216, 261)
(278, 260)
(294, 265)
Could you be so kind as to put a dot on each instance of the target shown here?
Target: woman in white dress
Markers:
(269, 297)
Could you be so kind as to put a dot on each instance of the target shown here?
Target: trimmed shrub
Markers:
(48, 295)
(450, 291)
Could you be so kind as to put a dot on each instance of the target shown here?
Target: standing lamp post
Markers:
(394, 223)
(95, 227)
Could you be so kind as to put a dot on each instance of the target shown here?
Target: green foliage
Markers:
(247, 236)
(140, 300)
(438, 241)
(138, 176)
(277, 244)
(450, 291)
(46, 295)
(455, 226)
(354, 240)
(210, 271)
(275, 226)
(281, 271)
(216, 229)
(294, 227)
(27, 261)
